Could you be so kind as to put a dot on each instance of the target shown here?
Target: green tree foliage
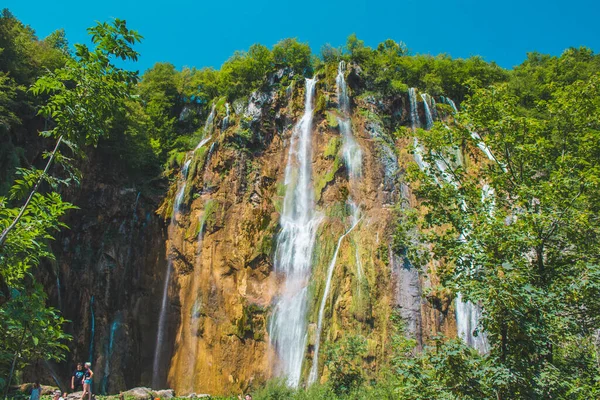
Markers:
(293, 54)
(23, 58)
(528, 251)
(344, 361)
(161, 98)
(83, 97)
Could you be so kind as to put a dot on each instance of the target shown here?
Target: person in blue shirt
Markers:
(77, 378)
(36, 391)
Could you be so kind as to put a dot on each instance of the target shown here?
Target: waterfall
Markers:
(92, 330)
(428, 116)
(415, 124)
(294, 251)
(414, 111)
(467, 320)
(107, 357)
(433, 106)
(225, 122)
(355, 218)
(351, 151)
(451, 103)
(58, 289)
(208, 128)
(467, 313)
(315, 362)
(162, 317)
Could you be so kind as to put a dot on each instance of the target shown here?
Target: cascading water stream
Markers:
(415, 124)
(294, 251)
(111, 340)
(58, 289)
(428, 116)
(93, 330)
(162, 317)
(351, 151)
(315, 363)
(196, 307)
(208, 128)
(225, 123)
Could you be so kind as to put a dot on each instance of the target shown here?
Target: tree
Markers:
(293, 54)
(518, 233)
(83, 96)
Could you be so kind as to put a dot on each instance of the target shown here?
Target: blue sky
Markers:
(205, 33)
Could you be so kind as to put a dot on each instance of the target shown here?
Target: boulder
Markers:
(164, 394)
(139, 393)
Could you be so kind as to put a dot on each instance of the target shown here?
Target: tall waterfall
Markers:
(295, 243)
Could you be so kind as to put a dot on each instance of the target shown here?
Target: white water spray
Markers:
(350, 149)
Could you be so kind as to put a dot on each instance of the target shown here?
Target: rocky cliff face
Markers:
(216, 229)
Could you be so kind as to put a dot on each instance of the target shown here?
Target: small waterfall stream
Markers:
(351, 151)
(208, 128)
(92, 330)
(294, 251)
(196, 305)
(313, 371)
(179, 197)
(107, 357)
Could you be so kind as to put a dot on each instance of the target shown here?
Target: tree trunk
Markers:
(12, 367)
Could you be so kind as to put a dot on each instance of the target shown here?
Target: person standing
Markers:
(77, 378)
(87, 381)
(36, 391)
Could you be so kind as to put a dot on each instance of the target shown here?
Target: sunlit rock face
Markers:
(225, 228)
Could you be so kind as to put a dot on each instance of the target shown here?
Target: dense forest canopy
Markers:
(537, 275)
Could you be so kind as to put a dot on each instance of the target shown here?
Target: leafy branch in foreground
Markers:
(83, 97)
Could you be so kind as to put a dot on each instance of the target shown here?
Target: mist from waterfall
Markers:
(294, 251)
